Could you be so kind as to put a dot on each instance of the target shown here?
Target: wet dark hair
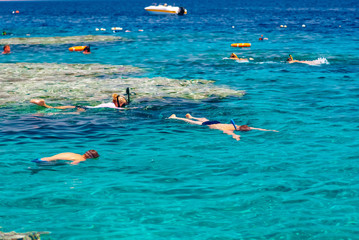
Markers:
(87, 48)
(244, 128)
(91, 154)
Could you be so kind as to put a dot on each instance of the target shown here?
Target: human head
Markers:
(290, 58)
(233, 55)
(7, 49)
(91, 154)
(243, 128)
(118, 100)
(87, 49)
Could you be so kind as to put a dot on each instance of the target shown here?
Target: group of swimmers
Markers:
(119, 102)
(289, 59)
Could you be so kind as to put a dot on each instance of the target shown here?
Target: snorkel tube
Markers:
(128, 95)
(291, 57)
(234, 124)
(118, 103)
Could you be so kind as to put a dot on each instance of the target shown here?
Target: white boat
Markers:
(165, 9)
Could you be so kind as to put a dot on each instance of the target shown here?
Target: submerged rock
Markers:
(21, 236)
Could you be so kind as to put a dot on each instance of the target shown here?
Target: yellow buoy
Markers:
(77, 48)
(240, 45)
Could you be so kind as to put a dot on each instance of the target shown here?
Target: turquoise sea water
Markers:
(165, 179)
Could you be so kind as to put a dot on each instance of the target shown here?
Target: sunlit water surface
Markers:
(164, 179)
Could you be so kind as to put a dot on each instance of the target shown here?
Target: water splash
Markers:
(320, 61)
(60, 40)
(92, 83)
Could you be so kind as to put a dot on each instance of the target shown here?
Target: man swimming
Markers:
(225, 128)
(291, 60)
(87, 50)
(68, 156)
(6, 49)
(117, 102)
(235, 57)
(262, 38)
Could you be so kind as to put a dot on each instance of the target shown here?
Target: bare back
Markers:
(221, 126)
(65, 156)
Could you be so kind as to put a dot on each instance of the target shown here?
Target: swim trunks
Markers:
(38, 160)
(210, 123)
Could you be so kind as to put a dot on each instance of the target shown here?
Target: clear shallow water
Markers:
(164, 179)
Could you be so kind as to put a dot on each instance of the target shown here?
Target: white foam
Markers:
(321, 61)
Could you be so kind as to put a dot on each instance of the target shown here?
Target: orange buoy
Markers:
(240, 45)
(77, 48)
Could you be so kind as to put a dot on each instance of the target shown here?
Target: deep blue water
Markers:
(164, 179)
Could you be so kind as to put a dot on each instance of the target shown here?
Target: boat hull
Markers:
(165, 10)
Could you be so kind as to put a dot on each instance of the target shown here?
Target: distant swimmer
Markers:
(262, 38)
(68, 156)
(226, 128)
(235, 57)
(117, 102)
(291, 60)
(87, 50)
(6, 49)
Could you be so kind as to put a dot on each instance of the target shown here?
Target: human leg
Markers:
(173, 116)
(198, 119)
(41, 102)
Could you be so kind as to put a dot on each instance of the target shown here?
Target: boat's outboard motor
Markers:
(181, 11)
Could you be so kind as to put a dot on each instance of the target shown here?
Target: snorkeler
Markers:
(68, 156)
(235, 57)
(226, 128)
(117, 102)
(87, 50)
(6, 49)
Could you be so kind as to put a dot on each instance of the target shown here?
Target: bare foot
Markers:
(188, 115)
(40, 102)
(172, 116)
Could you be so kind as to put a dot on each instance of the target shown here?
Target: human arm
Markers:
(261, 129)
(231, 133)
(41, 103)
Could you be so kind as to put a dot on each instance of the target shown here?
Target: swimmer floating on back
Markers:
(117, 102)
(68, 156)
(226, 128)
